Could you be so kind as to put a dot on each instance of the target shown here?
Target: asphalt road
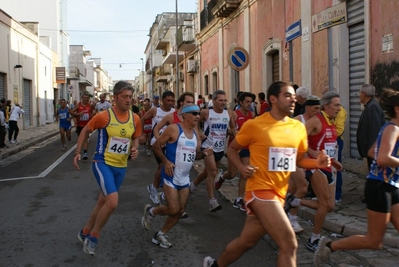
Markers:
(45, 201)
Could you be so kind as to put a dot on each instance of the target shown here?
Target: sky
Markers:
(116, 31)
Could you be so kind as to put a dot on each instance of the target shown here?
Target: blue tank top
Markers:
(182, 154)
(63, 115)
(388, 175)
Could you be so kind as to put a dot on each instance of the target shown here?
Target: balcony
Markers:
(171, 57)
(223, 8)
(186, 38)
(161, 74)
(74, 73)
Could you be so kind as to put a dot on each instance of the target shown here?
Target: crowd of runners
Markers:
(275, 154)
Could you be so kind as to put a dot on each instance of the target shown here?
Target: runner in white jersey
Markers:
(217, 123)
(181, 150)
(157, 114)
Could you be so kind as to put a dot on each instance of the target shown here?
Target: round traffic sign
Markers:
(238, 58)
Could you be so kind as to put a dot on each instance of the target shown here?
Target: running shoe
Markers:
(323, 251)
(239, 204)
(214, 205)
(219, 180)
(161, 240)
(184, 215)
(12, 142)
(153, 194)
(148, 152)
(208, 261)
(64, 148)
(81, 236)
(89, 246)
(193, 188)
(147, 217)
(85, 156)
(313, 246)
(294, 224)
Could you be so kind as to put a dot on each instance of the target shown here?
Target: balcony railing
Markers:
(186, 38)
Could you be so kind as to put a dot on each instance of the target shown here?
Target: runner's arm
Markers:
(168, 119)
(232, 126)
(322, 161)
(246, 171)
(148, 115)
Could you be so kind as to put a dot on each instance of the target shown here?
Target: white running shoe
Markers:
(323, 252)
(208, 261)
(147, 217)
(295, 225)
(214, 205)
(153, 194)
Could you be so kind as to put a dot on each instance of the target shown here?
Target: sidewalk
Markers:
(29, 137)
(348, 218)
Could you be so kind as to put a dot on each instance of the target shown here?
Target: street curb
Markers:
(27, 144)
(346, 226)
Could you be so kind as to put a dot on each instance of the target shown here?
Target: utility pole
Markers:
(177, 53)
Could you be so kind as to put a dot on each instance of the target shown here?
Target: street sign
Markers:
(238, 58)
(329, 17)
(293, 31)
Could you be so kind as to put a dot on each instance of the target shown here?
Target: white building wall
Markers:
(19, 47)
(52, 18)
(45, 88)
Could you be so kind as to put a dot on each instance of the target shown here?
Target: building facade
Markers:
(341, 54)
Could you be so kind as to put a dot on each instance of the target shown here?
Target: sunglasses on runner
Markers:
(194, 113)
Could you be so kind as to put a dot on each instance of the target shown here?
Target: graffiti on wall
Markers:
(385, 75)
(321, 79)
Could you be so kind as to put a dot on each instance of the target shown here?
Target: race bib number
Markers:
(62, 116)
(85, 117)
(147, 127)
(282, 159)
(119, 145)
(186, 157)
(218, 142)
(330, 149)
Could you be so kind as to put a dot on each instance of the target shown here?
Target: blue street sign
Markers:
(238, 58)
(293, 31)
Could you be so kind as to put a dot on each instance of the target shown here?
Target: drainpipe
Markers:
(37, 85)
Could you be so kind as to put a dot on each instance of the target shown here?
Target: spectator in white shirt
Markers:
(210, 103)
(13, 123)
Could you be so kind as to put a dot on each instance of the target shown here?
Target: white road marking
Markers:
(58, 161)
(45, 172)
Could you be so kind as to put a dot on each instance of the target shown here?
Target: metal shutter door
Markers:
(27, 100)
(356, 67)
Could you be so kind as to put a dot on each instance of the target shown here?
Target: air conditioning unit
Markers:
(192, 66)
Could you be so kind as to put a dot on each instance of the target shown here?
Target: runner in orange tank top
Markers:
(277, 144)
